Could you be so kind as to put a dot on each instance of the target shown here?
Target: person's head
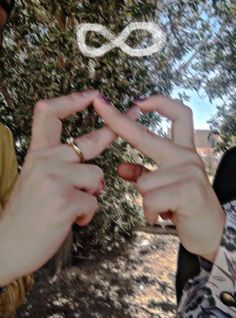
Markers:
(6, 7)
(225, 179)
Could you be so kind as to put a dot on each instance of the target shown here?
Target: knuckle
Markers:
(199, 160)
(31, 169)
(40, 107)
(65, 199)
(196, 190)
(44, 176)
(47, 171)
(98, 172)
(194, 158)
(92, 138)
(38, 155)
(74, 96)
(36, 167)
(188, 111)
(94, 203)
(141, 184)
(68, 194)
(196, 171)
(31, 157)
(147, 206)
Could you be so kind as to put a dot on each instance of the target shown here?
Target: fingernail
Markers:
(104, 99)
(133, 112)
(139, 100)
(102, 185)
(101, 188)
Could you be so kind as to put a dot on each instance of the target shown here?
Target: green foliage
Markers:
(225, 122)
(41, 60)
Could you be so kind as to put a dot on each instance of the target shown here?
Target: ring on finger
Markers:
(70, 142)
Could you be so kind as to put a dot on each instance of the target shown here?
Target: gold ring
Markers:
(70, 142)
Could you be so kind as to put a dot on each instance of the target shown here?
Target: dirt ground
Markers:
(137, 282)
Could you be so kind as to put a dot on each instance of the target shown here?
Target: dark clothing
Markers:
(224, 185)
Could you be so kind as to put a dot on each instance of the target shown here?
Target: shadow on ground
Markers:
(136, 282)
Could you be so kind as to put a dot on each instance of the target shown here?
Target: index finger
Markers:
(47, 125)
(94, 143)
(150, 144)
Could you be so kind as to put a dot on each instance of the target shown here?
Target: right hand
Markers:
(179, 189)
(53, 190)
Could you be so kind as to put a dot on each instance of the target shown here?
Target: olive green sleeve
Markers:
(8, 163)
(14, 294)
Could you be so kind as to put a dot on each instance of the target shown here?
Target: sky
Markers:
(202, 109)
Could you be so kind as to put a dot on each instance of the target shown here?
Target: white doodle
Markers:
(158, 37)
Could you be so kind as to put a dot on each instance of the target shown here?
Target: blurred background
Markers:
(40, 58)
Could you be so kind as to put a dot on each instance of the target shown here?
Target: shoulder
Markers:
(5, 133)
(230, 210)
(4, 130)
(6, 138)
(230, 206)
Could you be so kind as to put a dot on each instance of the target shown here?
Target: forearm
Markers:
(15, 285)
(215, 286)
(211, 257)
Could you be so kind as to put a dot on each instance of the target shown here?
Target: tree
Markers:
(41, 59)
(225, 122)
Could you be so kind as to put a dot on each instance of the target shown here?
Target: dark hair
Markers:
(225, 178)
(7, 6)
(224, 186)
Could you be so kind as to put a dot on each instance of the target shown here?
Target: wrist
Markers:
(212, 255)
(6, 277)
(6, 261)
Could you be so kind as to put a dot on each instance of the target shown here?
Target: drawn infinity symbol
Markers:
(158, 37)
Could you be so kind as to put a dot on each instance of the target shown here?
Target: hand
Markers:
(179, 189)
(53, 190)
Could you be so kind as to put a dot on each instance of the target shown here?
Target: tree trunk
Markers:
(62, 259)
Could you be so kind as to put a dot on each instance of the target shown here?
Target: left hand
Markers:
(54, 189)
(180, 187)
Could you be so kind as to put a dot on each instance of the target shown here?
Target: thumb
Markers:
(131, 171)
